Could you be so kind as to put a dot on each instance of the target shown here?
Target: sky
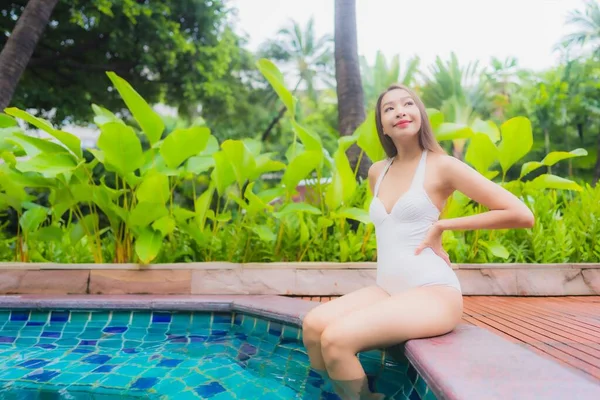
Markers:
(473, 29)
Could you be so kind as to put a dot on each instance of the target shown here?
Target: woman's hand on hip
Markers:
(433, 240)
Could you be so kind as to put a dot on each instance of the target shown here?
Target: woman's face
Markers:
(400, 116)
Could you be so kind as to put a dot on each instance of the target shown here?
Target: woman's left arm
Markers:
(505, 209)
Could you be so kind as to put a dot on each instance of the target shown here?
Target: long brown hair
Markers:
(427, 139)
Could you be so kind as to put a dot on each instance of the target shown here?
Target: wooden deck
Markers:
(566, 329)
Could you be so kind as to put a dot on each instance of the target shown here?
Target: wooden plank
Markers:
(550, 351)
(553, 322)
(542, 332)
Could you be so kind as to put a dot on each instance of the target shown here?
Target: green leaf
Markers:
(34, 146)
(453, 131)
(31, 219)
(104, 116)
(6, 121)
(354, 213)
(368, 139)
(83, 227)
(309, 139)
(265, 164)
(166, 225)
(556, 156)
(517, 139)
(294, 208)
(181, 144)
(264, 233)
(223, 174)
(49, 234)
(72, 142)
(122, 148)
(436, 118)
(148, 244)
(481, 152)
(241, 160)
(48, 164)
(530, 166)
(549, 181)
(495, 248)
(488, 128)
(275, 78)
(299, 168)
(551, 159)
(150, 122)
(154, 188)
(343, 184)
(199, 164)
(145, 213)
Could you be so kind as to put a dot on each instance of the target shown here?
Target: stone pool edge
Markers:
(468, 363)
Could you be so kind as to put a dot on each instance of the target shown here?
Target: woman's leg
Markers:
(318, 318)
(417, 313)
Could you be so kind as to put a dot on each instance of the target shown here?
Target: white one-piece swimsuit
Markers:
(400, 232)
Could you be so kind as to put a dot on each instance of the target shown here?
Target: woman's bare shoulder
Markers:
(374, 171)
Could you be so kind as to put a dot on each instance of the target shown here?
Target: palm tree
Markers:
(378, 77)
(20, 46)
(351, 109)
(306, 57)
(458, 92)
(588, 25)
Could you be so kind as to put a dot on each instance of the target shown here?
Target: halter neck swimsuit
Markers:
(400, 231)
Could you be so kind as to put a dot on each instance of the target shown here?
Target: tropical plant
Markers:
(380, 76)
(587, 24)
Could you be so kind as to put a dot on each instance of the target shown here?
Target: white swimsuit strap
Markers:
(419, 178)
(380, 177)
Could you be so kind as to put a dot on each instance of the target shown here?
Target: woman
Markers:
(416, 294)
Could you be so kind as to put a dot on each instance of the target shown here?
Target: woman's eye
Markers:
(387, 109)
(409, 103)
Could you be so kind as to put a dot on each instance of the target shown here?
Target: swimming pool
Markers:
(98, 354)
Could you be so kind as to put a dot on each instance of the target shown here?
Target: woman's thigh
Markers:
(323, 314)
(417, 313)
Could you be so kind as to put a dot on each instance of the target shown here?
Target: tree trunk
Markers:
(351, 112)
(597, 166)
(20, 46)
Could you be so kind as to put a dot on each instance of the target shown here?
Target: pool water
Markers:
(171, 355)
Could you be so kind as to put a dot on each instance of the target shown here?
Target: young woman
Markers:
(416, 294)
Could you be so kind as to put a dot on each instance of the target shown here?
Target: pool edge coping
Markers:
(446, 363)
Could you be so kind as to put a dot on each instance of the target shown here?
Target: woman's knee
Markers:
(313, 325)
(335, 342)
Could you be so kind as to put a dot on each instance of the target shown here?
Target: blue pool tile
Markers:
(7, 339)
(35, 363)
(51, 334)
(221, 318)
(82, 350)
(42, 376)
(114, 329)
(35, 323)
(123, 317)
(144, 383)
(88, 342)
(275, 328)
(238, 319)
(140, 318)
(412, 374)
(59, 316)
(97, 359)
(80, 317)
(414, 395)
(169, 362)
(161, 318)
(19, 315)
(104, 368)
(46, 346)
(130, 350)
(116, 381)
(210, 389)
